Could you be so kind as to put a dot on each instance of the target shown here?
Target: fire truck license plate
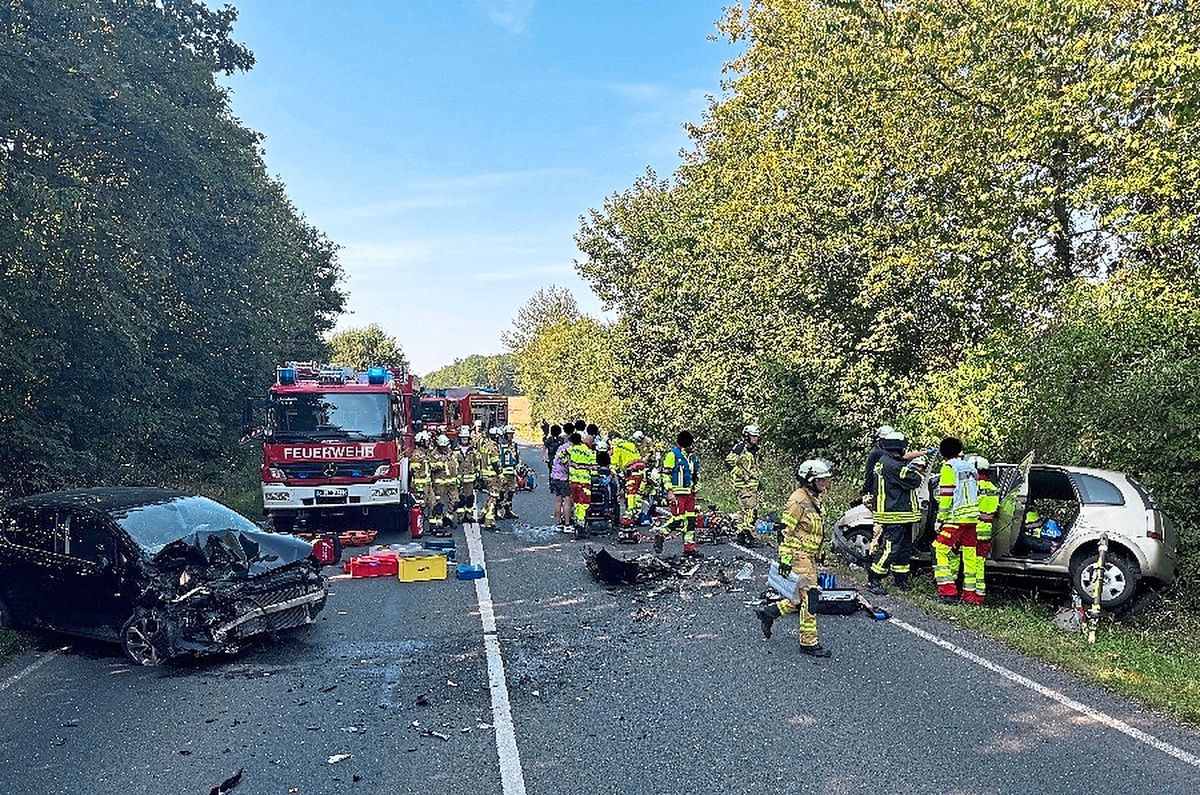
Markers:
(331, 492)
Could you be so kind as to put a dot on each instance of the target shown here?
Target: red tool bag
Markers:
(327, 550)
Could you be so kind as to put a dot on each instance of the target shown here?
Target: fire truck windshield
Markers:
(327, 414)
(433, 412)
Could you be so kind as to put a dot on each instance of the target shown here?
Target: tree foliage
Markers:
(566, 361)
(496, 372)
(973, 216)
(153, 272)
(365, 347)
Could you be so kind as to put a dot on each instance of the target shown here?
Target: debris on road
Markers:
(228, 784)
(336, 758)
(435, 733)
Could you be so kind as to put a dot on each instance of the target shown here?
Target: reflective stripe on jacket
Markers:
(582, 458)
(803, 532)
(682, 470)
(989, 504)
(958, 492)
(746, 467)
(895, 497)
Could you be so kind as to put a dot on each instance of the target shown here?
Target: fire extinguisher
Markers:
(414, 521)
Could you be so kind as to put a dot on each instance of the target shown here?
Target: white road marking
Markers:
(1083, 709)
(512, 777)
(28, 669)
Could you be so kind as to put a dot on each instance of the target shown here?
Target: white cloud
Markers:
(512, 15)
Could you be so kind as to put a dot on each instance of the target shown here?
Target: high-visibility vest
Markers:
(681, 469)
(582, 459)
(989, 504)
(958, 492)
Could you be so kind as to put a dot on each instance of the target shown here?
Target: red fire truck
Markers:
(444, 410)
(336, 450)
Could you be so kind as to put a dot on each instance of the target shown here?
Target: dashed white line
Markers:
(28, 669)
(1083, 709)
(512, 777)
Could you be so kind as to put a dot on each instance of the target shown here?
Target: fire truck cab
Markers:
(336, 448)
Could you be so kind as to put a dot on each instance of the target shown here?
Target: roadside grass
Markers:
(1152, 656)
(13, 643)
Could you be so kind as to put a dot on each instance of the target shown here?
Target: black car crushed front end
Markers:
(209, 592)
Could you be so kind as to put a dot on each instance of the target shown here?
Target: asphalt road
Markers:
(611, 691)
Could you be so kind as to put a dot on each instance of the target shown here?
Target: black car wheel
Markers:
(1121, 575)
(144, 638)
(6, 620)
(858, 544)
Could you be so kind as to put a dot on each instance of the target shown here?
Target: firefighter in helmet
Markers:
(445, 481)
(467, 461)
(745, 467)
(489, 460)
(420, 482)
(510, 459)
(800, 550)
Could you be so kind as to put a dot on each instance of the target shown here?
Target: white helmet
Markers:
(422, 437)
(637, 436)
(813, 469)
(601, 445)
(883, 431)
(980, 462)
(509, 429)
(493, 431)
(443, 440)
(751, 430)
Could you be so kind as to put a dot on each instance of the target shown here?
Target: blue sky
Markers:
(450, 147)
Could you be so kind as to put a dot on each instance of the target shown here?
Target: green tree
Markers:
(490, 372)
(153, 271)
(365, 347)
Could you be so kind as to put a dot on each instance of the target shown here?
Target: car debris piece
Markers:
(624, 569)
(336, 758)
(228, 784)
(435, 733)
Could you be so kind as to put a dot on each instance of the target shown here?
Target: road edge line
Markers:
(512, 776)
(28, 669)
(1103, 718)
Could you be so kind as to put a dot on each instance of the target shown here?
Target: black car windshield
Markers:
(314, 414)
(154, 526)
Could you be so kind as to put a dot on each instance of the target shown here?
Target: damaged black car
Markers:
(163, 573)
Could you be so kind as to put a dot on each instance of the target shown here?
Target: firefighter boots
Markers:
(815, 651)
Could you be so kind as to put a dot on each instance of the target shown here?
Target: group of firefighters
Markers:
(967, 502)
(600, 479)
(444, 476)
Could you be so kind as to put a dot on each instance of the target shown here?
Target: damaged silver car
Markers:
(164, 573)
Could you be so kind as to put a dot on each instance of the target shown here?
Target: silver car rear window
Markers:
(1097, 491)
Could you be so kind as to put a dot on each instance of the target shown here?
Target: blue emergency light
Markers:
(376, 375)
(286, 376)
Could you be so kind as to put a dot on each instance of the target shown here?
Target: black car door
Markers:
(34, 573)
(94, 602)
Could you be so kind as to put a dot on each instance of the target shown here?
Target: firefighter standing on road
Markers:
(628, 465)
(489, 459)
(958, 514)
(467, 460)
(799, 552)
(419, 472)
(894, 504)
(445, 480)
(745, 466)
(581, 461)
(510, 457)
(681, 470)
